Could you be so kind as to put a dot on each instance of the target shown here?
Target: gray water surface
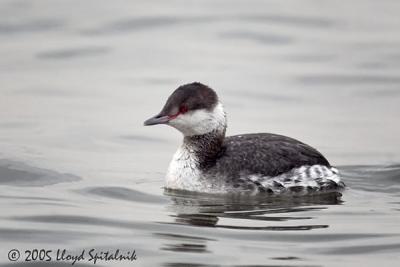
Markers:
(79, 171)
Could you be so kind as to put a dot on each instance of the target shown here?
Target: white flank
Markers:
(314, 176)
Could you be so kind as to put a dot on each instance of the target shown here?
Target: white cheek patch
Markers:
(200, 122)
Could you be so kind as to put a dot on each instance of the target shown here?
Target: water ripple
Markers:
(77, 220)
(364, 249)
(373, 178)
(342, 79)
(122, 193)
(142, 138)
(72, 53)
(20, 174)
(263, 38)
(297, 21)
(142, 23)
(44, 236)
(30, 26)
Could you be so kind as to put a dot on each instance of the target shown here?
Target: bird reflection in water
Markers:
(206, 210)
(240, 213)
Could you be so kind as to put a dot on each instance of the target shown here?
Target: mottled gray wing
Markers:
(265, 154)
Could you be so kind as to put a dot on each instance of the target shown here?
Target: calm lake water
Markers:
(79, 171)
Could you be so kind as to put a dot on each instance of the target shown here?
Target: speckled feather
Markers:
(264, 154)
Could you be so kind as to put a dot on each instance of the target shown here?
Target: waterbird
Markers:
(210, 162)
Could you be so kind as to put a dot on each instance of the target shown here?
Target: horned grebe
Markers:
(209, 162)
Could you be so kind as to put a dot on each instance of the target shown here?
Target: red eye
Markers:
(183, 109)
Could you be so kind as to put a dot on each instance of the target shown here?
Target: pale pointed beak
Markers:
(158, 119)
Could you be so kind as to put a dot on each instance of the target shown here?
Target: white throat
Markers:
(183, 172)
(201, 121)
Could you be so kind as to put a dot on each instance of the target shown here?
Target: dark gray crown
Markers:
(192, 96)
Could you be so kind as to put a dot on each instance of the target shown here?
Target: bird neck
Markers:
(205, 147)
